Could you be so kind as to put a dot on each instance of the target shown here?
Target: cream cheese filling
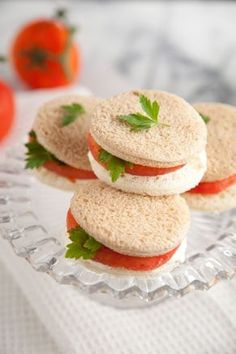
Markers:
(175, 182)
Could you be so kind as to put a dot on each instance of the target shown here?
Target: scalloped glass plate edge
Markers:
(30, 240)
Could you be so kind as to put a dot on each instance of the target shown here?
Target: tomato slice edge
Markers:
(136, 169)
(69, 172)
(214, 187)
(114, 259)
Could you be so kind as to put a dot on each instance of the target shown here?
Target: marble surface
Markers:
(185, 47)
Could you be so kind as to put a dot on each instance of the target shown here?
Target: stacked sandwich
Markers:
(57, 147)
(128, 158)
(145, 147)
(217, 190)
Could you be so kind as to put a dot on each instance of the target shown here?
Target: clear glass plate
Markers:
(32, 219)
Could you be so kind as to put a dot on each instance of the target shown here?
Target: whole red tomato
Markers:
(44, 54)
(7, 109)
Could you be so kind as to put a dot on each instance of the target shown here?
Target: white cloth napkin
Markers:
(21, 330)
(197, 323)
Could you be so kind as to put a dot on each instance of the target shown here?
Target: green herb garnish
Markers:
(71, 112)
(82, 246)
(32, 135)
(114, 165)
(139, 121)
(37, 155)
(206, 119)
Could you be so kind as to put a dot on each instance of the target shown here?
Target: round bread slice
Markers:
(130, 224)
(183, 138)
(68, 143)
(222, 201)
(221, 141)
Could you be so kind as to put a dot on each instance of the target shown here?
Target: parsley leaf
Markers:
(32, 135)
(115, 165)
(151, 109)
(205, 118)
(71, 112)
(82, 246)
(139, 121)
(37, 155)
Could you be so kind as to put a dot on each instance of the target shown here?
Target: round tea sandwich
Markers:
(57, 148)
(126, 230)
(148, 142)
(217, 190)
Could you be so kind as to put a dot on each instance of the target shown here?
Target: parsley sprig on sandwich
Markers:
(148, 142)
(57, 147)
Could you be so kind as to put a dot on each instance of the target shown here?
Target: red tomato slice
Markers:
(69, 172)
(214, 187)
(71, 223)
(114, 259)
(137, 170)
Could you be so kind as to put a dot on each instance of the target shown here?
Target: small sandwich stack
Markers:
(145, 147)
(148, 142)
(217, 190)
(57, 148)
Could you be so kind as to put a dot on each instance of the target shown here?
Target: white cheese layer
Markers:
(175, 182)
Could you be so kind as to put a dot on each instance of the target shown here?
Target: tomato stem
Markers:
(3, 59)
(38, 57)
(61, 13)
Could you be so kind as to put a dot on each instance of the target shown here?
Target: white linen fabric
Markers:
(197, 323)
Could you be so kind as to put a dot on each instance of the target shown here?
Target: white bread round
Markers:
(54, 180)
(222, 201)
(68, 143)
(158, 146)
(221, 142)
(130, 224)
(175, 182)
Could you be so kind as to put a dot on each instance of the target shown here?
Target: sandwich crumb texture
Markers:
(128, 223)
(67, 143)
(221, 143)
(183, 138)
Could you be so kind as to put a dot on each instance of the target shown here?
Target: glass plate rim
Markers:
(200, 271)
